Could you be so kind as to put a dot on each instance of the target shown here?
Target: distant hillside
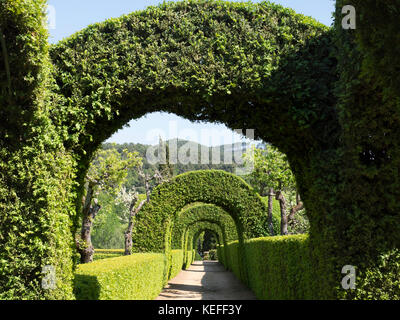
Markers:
(216, 153)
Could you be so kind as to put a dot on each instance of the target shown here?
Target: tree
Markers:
(130, 199)
(108, 229)
(148, 178)
(272, 172)
(107, 172)
(165, 168)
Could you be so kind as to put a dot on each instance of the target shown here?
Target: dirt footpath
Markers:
(205, 280)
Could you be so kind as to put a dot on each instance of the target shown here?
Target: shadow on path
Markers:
(206, 280)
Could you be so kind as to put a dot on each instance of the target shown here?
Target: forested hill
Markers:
(135, 180)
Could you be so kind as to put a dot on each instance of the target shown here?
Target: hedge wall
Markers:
(188, 258)
(194, 230)
(278, 267)
(232, 259)
(117, 277)
(135, 277)
(102, 78)
(36, 171)
(368, 214)
(107, 253)
(281, 268)
(176, 264)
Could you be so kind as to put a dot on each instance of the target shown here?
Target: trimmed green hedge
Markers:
(367, 217)
(110, 73)
(197, 256)
(37, 172)
(221, 257)
(278, 267)
(107, 253)
(281, 268)
(135, 277)
(176, 263)
(233, 260)
(189, 257)
(139, 276)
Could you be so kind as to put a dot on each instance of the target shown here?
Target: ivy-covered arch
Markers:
(199, 60)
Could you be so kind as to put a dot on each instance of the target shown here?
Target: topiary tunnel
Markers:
(199, 217)
(198, 212)
(216, 187)
(192, 234)
(313, 92)
(194, 230)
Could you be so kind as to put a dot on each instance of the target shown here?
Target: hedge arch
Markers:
(257, 66)
(198, 212)
(153, 225)
(189, 236)
(193, 232)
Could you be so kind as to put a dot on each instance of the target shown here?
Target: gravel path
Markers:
(205, 280)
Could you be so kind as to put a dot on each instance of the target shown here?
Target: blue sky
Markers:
(74, 15)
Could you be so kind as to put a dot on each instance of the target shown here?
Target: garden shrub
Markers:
(58, 125)
(366, 219)
(281, 268)
(192, 234)
(135, 277)
(199, 215)
(213, 254)
(109, 251)
(153, 225)
(176, 264)
(194, 230)
(221, 257)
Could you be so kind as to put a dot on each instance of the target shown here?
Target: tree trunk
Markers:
(128, 233)
(299, 206)
(85, 247)
(270, 208)
(284, 220)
